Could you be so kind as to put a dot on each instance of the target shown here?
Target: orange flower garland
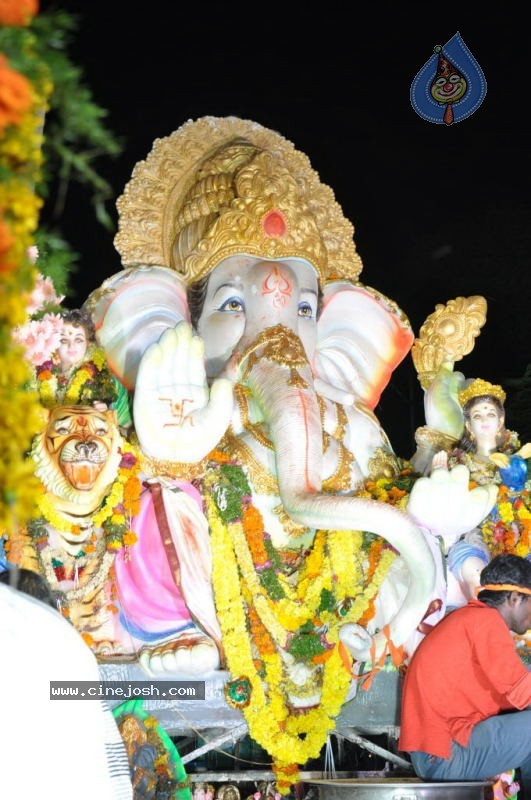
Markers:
(269, 617)
(22, 105)
(15, 95)
(17, 12)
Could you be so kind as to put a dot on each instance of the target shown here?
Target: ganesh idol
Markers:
(241, 329)
(254, 358)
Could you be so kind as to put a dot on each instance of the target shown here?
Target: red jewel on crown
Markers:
(274, 224)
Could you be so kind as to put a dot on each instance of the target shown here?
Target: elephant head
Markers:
(239, 219)
(257, 325)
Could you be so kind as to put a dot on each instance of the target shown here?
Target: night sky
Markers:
(439, 212)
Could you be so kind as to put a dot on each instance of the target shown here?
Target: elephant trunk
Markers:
(281, 383)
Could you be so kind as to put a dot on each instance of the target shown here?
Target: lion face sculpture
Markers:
(77, 455)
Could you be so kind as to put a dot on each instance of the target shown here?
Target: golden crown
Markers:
(223, 186)
(478, 388)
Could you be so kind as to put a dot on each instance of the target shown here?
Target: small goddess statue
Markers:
(76, 373)
(492, 454)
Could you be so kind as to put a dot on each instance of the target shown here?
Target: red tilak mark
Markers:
(177, 410)
(277, 285)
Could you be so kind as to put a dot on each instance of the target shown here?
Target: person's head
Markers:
(76, 336)
(514, 600)
(483, 415)
(29, 582)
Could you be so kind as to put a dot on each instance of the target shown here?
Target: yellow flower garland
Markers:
(48, 387)
(334, 563)
(124, 494)
(20, 161)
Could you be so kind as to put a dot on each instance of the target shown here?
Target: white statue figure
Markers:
(465, 436)
(256, 358)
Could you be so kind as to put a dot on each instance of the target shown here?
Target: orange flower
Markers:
(45, 375)
(253, 526)
(321, 658)
(129, 538)
(219, 456)
(259, 634)
(6, 242)
(88, 639)
(17, 12)
(396, 494)
(15, 95)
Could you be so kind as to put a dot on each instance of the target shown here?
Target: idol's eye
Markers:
(101, 431)
(232, 304)
(454, 78)
(305, 310)
(440, 81)
(62, 430)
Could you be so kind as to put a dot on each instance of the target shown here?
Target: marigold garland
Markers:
(23, 103)
(507, 529)
(115, 516)
(88, 382)
(301, 619)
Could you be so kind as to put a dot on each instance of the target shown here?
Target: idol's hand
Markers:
(177, 417)
(441, 406)
(445, 505)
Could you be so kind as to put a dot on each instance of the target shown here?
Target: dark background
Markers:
(439, 212)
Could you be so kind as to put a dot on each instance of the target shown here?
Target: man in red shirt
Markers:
(465, 681)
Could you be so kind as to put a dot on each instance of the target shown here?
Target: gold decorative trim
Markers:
(434, 440)
(203, 192)
(383, 464)
(341, 479)
(342, 422)
(281, 346)
(155, 467)
(241, 393)
(292, 528)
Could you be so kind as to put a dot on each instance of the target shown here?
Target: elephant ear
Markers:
(131, 310)
(362, 337)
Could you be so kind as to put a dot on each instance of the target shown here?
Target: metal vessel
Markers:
(400, 789)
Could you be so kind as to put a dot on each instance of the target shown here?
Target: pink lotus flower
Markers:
(40, 338)
(43, 294)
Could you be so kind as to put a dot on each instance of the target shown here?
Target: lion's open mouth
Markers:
(81, 474)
